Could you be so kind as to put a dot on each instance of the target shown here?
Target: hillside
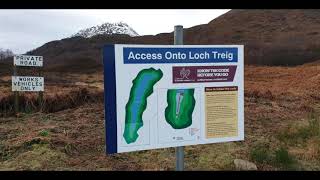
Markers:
(271, 37)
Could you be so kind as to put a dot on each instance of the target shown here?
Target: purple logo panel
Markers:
(198, 74)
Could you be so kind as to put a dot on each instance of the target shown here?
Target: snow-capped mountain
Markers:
(107, 28)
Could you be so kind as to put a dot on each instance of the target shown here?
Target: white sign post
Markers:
(27, 83)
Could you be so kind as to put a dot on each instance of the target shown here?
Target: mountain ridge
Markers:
(107, 28)
(270, 37)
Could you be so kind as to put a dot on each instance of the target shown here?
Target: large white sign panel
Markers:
(25, 60)
(159, 96)
(27, 83)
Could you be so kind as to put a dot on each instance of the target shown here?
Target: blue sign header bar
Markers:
(146, 55)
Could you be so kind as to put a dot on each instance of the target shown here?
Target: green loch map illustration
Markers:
(141, 89)
(181, 103)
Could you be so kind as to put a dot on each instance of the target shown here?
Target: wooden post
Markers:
(40, 95)
(16, 93)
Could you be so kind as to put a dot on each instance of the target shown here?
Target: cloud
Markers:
(23, 30)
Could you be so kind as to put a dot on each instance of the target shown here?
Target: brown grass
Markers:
(277, 99)
(29, 103)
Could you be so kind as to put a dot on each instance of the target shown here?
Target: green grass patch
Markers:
(29, 144)
(211, 157)
(44, 133)
(10, 152)
(314, 127)
(299, 134)
(3, 152)
(260, 153)
(284, 160)
(279, 158)
(39, 157)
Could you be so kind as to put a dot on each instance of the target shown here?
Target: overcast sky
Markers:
(24, 30)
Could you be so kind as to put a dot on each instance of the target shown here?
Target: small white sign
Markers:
(27, 83)
(25, 60)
